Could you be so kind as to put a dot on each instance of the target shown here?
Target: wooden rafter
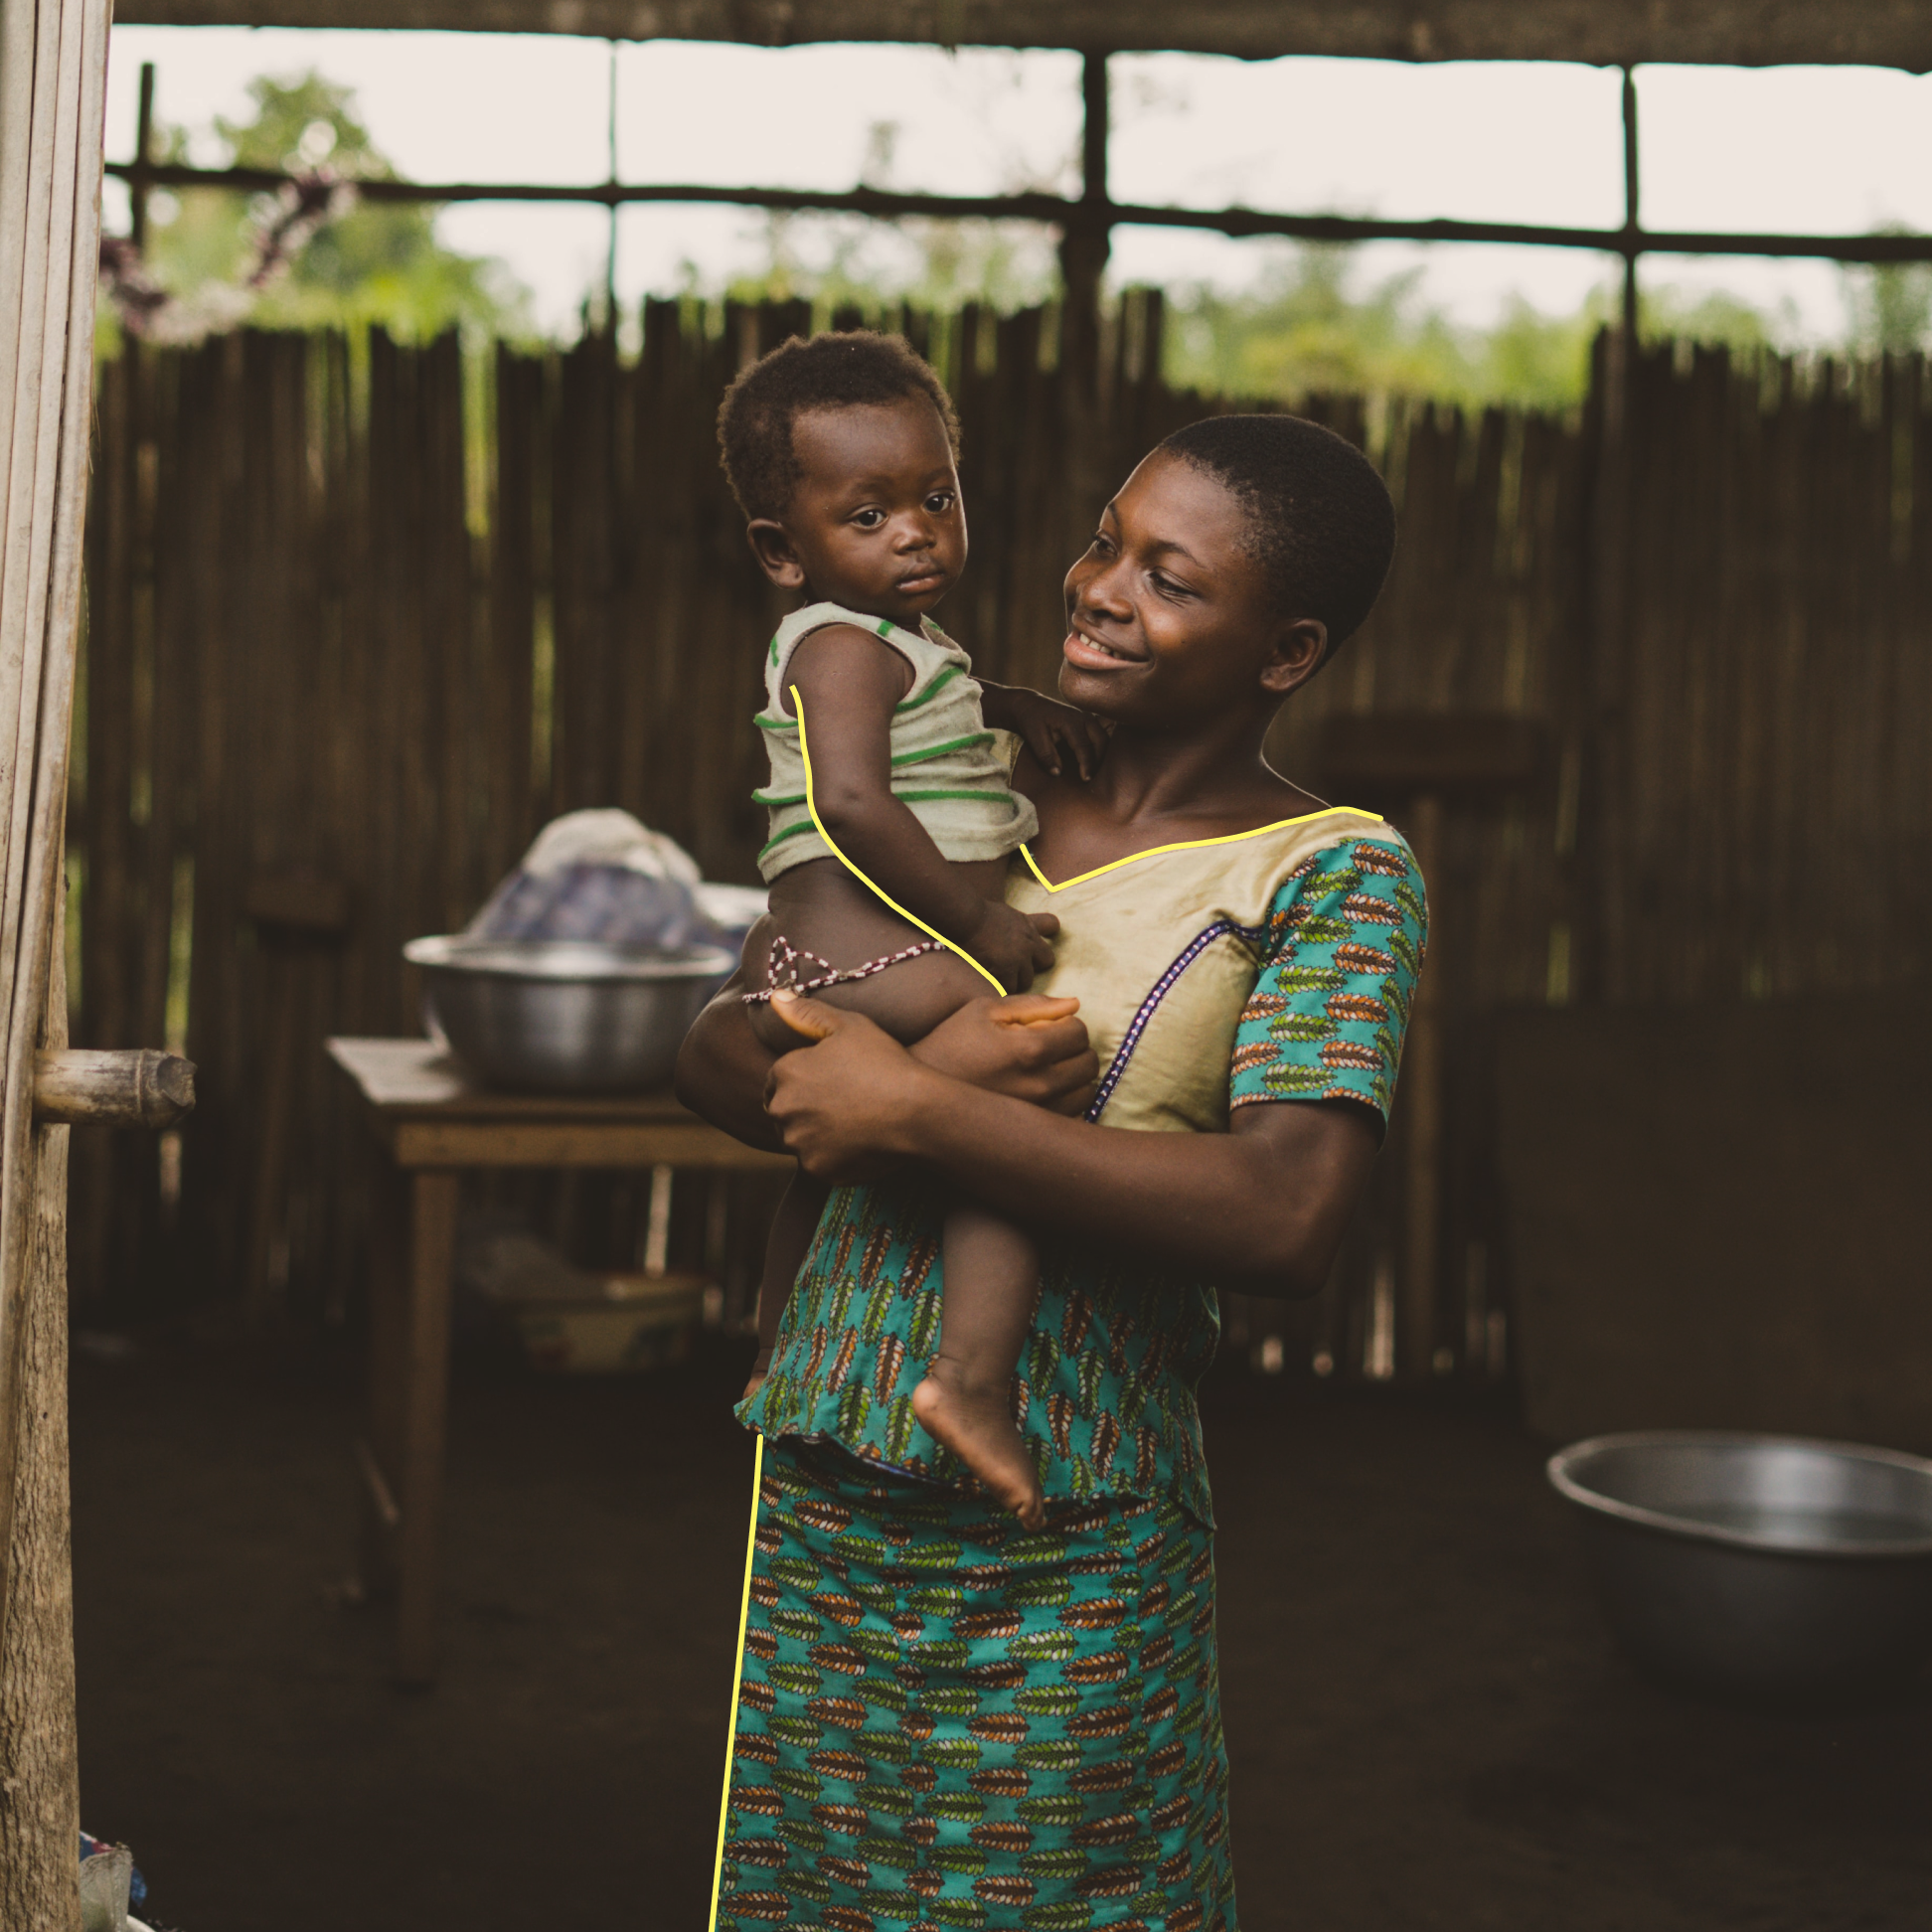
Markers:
(1740, 33)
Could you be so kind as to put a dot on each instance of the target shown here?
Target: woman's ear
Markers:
(771, 545)
(1297, 655)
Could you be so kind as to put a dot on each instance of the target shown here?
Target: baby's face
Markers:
(876, 520)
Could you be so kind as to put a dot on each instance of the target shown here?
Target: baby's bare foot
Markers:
(977, 1426)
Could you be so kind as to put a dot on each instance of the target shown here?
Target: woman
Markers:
(946, 1719)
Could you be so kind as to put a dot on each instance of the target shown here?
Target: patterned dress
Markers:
(946, 1720)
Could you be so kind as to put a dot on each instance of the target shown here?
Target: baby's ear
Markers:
(771, 545)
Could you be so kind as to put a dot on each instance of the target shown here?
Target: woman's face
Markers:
(1171, 621)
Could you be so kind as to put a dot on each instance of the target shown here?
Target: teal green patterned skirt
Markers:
(946, 1719)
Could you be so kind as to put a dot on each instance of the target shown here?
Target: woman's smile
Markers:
(1086, 652)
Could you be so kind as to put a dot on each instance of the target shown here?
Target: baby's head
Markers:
(1233, 562)
(843, 452)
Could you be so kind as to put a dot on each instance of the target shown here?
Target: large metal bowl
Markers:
(1760, 1567)
(564, 1016)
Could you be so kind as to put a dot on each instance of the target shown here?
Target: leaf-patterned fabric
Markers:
(1325, 1022)
(947, 1720)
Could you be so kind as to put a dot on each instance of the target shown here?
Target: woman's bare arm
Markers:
(723, 1070)
(1263, 1207)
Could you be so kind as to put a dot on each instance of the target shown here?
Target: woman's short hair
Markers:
(1320, 519)
(850, 367)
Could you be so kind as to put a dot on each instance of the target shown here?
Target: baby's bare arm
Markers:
(845, 684)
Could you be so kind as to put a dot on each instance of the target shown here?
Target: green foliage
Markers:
(835, 261)
(1303, 328)
(377, 263)
(1890, 304)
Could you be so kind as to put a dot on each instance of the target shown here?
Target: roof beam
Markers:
(1740, 33)
(888, 205)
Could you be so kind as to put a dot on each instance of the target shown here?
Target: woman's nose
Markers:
(1103, 592)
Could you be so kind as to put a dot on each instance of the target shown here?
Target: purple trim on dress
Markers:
(1161, 987)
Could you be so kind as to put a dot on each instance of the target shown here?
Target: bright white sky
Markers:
(1811, 149)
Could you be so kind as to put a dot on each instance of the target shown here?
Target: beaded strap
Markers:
(784, 968)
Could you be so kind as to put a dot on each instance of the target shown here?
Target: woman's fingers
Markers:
(811, 1018)
(1033, 1010)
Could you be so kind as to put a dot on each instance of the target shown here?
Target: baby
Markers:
(892, 814)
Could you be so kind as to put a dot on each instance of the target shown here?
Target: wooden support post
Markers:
(39, 1803)
(1631, 224)
(53, 81)
(139, 185)
(1085, 240)
(425, 1363)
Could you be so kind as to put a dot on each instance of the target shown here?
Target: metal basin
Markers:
(1761, 1567)
(564, 1016)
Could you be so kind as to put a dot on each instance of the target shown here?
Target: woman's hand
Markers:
(1026, 1047)
(845, 1107)
(1058, 735)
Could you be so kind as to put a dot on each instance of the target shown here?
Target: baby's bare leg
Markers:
(992, 1275)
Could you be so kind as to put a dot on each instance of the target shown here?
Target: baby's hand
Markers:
(1013, 946)
(1057, 735)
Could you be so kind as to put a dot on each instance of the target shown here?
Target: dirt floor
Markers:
(1428, 1724)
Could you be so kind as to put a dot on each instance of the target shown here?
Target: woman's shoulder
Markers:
(1313, 852)
(1343, 837)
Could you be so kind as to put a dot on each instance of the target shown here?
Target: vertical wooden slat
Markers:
(53, 73)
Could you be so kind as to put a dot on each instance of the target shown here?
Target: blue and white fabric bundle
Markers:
(602, 876)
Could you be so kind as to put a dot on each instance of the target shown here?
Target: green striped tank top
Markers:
(948, 770)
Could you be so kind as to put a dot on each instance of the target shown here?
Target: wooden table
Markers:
(432, 1121)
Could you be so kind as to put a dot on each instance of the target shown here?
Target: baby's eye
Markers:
(868, 519)
(939, 502)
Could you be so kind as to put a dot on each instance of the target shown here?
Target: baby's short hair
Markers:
(852, 368)
(1320, 519)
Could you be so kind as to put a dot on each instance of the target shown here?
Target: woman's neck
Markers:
(1152, 789)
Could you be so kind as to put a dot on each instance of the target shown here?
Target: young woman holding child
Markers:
(948, 1718)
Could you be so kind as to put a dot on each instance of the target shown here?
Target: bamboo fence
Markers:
(364, 616)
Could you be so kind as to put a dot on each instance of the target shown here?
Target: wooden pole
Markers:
(1085, 237)
(138, 184)
(40, 1814)
(111, 1089)
(1631, 224)
(53, 74)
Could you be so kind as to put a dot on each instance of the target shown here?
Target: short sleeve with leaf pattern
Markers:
(1345, 937)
